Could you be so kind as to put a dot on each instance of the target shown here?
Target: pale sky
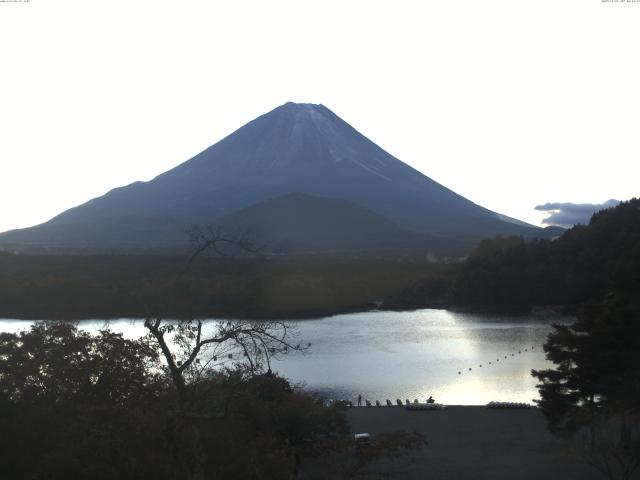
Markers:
(510, 103)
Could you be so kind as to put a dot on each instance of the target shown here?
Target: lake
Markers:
(413, 354)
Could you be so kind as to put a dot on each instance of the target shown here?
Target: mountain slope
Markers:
(294, 148)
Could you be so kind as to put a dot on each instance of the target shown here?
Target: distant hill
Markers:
(294, 148)
(301, 223)
(298, 222)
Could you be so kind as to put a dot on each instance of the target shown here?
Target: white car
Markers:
(362, 439)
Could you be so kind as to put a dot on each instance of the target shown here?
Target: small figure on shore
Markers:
(430, 399)
(359, 400)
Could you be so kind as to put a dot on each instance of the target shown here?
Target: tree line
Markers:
(78, 287)
(581, 266)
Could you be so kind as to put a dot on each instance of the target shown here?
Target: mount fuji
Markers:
(301, 148)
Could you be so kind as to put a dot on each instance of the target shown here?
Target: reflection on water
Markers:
(408, 355)
(416, 354)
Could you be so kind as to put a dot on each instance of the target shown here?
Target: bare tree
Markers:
(207, 239)
(192, 348)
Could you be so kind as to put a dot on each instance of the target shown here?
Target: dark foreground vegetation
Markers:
(76, 406)
(593, 391)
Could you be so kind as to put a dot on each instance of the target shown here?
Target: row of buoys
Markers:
(498, 359)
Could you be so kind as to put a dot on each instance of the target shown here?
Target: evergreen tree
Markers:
(597, 366)
(595, 386)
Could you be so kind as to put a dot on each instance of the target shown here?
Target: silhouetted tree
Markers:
(75, 405)
(596, 383)
(192, 348)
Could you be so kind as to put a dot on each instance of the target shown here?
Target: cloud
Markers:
(570, 214)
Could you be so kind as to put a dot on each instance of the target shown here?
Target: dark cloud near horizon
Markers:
(569, 214)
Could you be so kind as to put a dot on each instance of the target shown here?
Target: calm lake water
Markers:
(414, 354)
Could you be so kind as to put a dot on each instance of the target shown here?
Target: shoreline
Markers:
(295, 315)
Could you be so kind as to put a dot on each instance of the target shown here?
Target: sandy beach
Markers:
(468, 442)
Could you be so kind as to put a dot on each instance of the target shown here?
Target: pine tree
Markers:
(597, 366)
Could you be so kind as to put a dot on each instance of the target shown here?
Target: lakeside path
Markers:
(476, 443)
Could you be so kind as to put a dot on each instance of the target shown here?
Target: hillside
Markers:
(584, 265)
